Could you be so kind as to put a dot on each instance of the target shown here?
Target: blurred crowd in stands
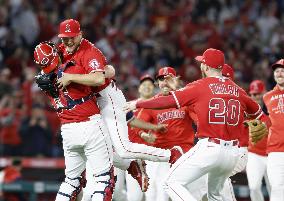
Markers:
(137, 37)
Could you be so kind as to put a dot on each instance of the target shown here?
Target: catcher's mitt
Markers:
(257, 130)
(47, 83)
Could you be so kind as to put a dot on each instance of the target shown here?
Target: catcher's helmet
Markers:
(46, 56)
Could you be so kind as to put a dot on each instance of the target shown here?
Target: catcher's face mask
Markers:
(46, 56)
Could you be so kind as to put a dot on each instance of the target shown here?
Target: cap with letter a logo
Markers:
(69, 28)
(213, 58)
(46, 57)
(166, 71)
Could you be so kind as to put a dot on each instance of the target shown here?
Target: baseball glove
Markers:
(257, 130)
(47, 83)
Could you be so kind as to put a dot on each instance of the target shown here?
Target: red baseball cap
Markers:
(256, 87)
(46, 57)
(166, 71)
(228, 71)
(213, 58)
(279, 63)
(69, 28)
(146, 77)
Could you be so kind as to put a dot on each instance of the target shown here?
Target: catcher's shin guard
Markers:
(104, 187)
(70, 188)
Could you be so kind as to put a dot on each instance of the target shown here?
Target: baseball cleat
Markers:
(137, 170)
(176, 153)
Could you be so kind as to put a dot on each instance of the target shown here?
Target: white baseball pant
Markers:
(275, 172)
(121, 165)
(157, 172)
(87, 141)
(216, 160)
(256, 170)
(133, 190)
(111, 102)
(227, 192)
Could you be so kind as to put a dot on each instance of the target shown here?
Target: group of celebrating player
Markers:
(97, 124)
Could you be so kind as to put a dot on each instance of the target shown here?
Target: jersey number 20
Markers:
(222, 112)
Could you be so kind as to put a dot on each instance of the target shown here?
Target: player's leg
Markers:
(119, 193)
(74, 162)
(133, 191)
(152, 170)
(256, 168)
(275, 171)
(267, 184)
(188, 168)
(111, 104)
(227, 193)
(227, 160)
(136, 168)
(162, 171)
(99, 153)
(242, 161)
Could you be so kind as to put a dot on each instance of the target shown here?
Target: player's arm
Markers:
(176, 99)
(94, 63)
(138, 123)
(92, 79)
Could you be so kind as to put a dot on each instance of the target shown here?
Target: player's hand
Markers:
(161, 128)
(109, 71)
(172, 81)
(64, 81)
(148, 137)
(130, 106)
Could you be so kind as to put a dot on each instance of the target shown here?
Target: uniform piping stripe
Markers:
(176, 193)
(174, 95)
(64, 194)
(105, 143)
(115, 117)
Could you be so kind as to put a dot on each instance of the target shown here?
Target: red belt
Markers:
(218, 141)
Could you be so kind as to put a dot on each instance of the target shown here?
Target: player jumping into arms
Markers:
(220, 105)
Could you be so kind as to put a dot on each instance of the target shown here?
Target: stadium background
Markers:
(137, 37)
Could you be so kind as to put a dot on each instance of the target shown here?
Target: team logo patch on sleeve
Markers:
(94, 64)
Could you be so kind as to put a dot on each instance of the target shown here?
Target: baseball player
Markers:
(109, 97)
(219, 105)
(257, 157)
(47, 48)
(273, 100)
(84, 136)
(146, 91)
(179, 133)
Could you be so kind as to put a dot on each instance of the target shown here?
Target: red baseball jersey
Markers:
(275, 106)
(180, 131)
(80, 112)
(219, 104)
(88, 56)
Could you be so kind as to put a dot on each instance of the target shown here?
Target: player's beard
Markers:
(165, 91)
